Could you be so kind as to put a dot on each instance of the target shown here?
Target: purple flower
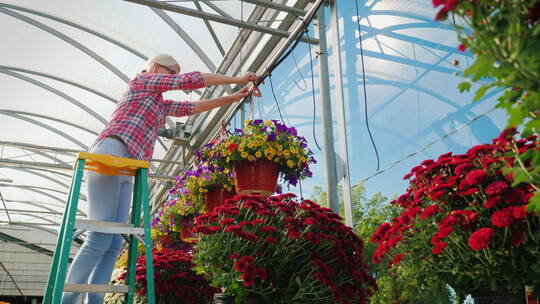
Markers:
(271, 137)
(293, 180)
(292, 131)
(239, 131)
(309, 173)
(264, 129)
(281, 128)
(257, 122)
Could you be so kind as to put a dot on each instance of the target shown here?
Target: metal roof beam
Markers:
(34, 211)
(277, 6)
(82, 197)
(217, 18)
(64, 151)
(53, 119)
(213, 6)
(5, 207)
(75, 84)
(40, 205)
(69, 40)
(52, 179)
(211, 30)
(31, 164)
(55, 91)
(11, 239)
(189, 41)
(47, 127)
(12, 279)
(78, 26)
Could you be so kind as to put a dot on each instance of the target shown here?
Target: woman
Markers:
(132, 133)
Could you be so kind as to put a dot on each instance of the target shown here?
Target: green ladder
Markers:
(110, 165)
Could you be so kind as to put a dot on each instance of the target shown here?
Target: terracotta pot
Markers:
(256, 178)
(217, 197)
(187, 234)
(500, 296)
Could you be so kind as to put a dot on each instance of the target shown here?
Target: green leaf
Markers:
(481, 92)
(464, 86)
(534, 203)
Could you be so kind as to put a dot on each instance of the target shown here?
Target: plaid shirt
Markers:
(142, 110)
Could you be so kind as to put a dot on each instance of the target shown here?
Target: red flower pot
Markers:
(217, 197)
(187, 234)
(256, 178)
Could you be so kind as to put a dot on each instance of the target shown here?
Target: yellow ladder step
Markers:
(111, 165)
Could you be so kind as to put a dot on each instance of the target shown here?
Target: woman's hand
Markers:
(248, 77)
(245, 91)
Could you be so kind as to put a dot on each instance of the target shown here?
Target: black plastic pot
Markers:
(500, 296)
(221, 298)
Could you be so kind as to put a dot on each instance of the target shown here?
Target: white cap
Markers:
(163, 59)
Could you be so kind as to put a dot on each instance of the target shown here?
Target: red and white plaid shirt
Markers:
(142, 110)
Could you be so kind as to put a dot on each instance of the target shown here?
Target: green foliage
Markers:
(505, 40)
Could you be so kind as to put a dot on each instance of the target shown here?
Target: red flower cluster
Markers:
(461, 194)
(285, 248)
(447, 6)
(174, 279)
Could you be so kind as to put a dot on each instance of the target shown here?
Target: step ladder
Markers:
(110, 165)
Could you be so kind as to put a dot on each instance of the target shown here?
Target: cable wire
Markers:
(275, 99)
(364, 85)
(313, 92)
(424, 148)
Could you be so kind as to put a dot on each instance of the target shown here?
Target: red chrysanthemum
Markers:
(481, 238)
(496, 188)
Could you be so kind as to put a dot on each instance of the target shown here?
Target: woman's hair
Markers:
(162, 59)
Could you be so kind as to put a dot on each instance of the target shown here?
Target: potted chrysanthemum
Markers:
(279, 250)
(464, 222)
(174, 279)
(260, 153)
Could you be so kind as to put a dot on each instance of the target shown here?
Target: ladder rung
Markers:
(108, 227)
(96, 288)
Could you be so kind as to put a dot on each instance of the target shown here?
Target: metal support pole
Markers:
(341, 114)
(326, 113)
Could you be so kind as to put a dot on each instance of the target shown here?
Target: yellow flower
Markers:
(229, 188)
(270, 156)
(226, 171)
(280, 148)
(276, 159)
(258, 154)
(244, 154)
(290, 163)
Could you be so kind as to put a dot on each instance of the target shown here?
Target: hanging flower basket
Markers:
(187, 234)
(257, 177)
(217, 197)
